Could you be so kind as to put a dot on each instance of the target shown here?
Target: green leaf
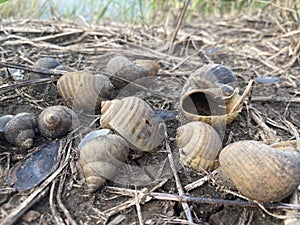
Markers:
(1, 1)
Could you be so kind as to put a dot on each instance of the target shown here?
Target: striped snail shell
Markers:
(135, 121)
(82, 90)
(124, 71)
(57, 121)
(100, 158)
(199, 145)
(20, 130)
(262, 172)
(210, 95)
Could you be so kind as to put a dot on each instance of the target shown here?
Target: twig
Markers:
(179, 21)
(199, 182)
(202, 200)
(138, 207)
(57, 218)
(185, 205)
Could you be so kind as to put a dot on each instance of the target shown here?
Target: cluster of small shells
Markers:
(209, 100)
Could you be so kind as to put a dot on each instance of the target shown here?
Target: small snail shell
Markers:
(134, 120)
(19, 130)
(46, 64)
(199, 145)
(209, 95)
(127, 71)
(83, 90)
(101, 157)
(57, 121)
(3, 121)
(262, 172)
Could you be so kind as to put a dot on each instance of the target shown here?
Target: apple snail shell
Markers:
(199, 145)
(262, 172)
(135, 121)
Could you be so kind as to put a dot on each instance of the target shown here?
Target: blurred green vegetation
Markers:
(145, 11)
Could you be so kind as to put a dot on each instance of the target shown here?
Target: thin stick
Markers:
(199, 182)
(185, 205)
(240, 101)
(57, 218)
(138, 207)
(179, 21)
(201, 200)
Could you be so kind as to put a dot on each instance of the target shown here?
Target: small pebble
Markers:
(267, 80)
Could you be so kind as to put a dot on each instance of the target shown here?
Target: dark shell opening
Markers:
(203, 104)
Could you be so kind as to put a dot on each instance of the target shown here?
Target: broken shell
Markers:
(92, 135)
(82, 90)
(209, 95)
(19, 130)
(3, 121)
(125, 71)
(199, 145)
(37, 167)
(100, 159)
(262, 172)
(57, 121)
(135, 121)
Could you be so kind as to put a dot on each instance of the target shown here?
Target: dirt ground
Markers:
(252, 47)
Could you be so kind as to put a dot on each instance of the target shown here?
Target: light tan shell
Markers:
(124, 71)
(262, 172)
(209, 95)
(100, 159)
(135, 121)
(82, 90)
(199, 145)
(20, 130)
(57, 121)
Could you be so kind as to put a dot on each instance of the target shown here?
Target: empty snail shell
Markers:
(3, 121)
(57, 121)
(19, 130)
(262, 172)
(199, 145)
(124, 71)
(210, 95)
(83, 90)
(100, 158)
(134, 120)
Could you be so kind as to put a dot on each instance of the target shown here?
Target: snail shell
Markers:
(124, 71)
(83, 90)
(262, 172)
(3, 121)
(57, 121)
(101, 157)
(19, 130)
(44, 65)
(134, 120)
(199, 145)
(209, 95)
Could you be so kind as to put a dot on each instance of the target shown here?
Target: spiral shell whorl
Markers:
(199, 145)
(56, 121)
(135, 121)
(101, 157)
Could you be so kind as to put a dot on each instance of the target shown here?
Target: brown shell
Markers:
(261, 172)
(82, 90)
(199, 145)
(57, 121)
(135, 121)
(20, 130)
(101, 157)
(209, 97)
(124, 71)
